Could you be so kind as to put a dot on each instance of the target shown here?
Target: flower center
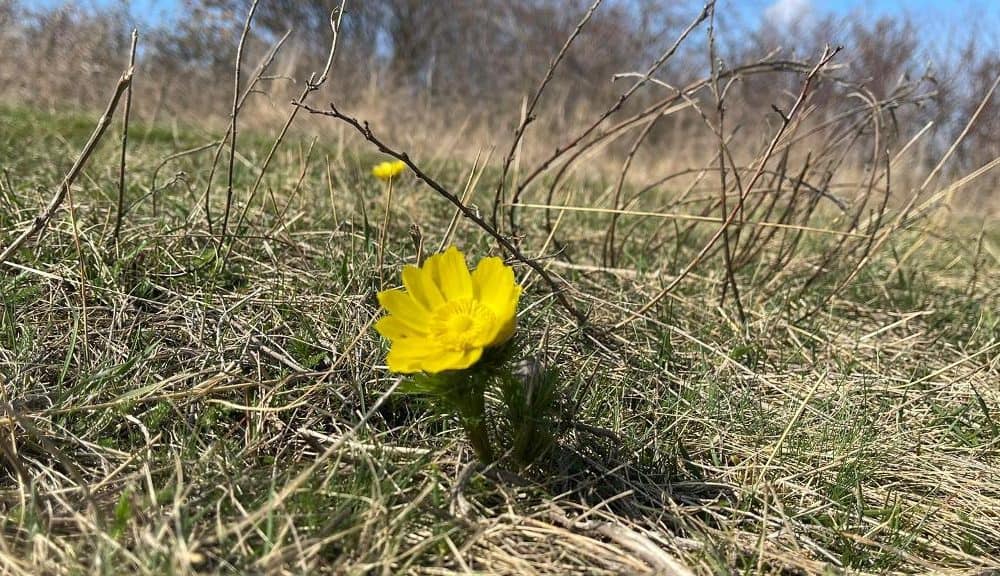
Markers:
(462, 324)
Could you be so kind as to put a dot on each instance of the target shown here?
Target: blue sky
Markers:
(919, 10)
(942, 23)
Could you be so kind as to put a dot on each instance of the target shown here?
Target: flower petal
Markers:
(452, 360)
(408, 355)
(505, 328)
(496, 288)
(395, 168)
(422, 288)
(506, 320)
(392, 328)
(402, 306)
(492, 280)
(451, 274)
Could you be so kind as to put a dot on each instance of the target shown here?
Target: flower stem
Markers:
(475, 428)
(382, 234)
(468, 398)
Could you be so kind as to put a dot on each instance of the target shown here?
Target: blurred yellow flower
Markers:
(446, 316)
(388, 170)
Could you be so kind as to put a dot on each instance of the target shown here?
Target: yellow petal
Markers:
(506, 320)
(497, 289)
(422, 288)
(451, 274)
(395, 168)
(402, 365)
(403, 307)
(392, 328)
(492, 281)
(451, 360)
(409, 355)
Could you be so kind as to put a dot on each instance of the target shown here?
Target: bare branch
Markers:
(528, 115)
(233, 117)
(828, 55)
(119, 214)
(365, 130)
(102, 125)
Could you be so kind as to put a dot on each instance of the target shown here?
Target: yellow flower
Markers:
(388, 170)
(446, 316)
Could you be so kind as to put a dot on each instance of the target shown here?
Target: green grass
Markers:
(168, 412)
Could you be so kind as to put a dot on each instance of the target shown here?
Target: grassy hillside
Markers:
(170, 407)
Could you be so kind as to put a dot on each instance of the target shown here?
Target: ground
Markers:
(173, 407)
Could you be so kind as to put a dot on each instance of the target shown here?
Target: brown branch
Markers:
(234, 116)
(38, 224)
(119, 214)
(720, 113)
(262, 67)
(313, 84)
(827, 56)
(614, 108)
(528, 116)
(365, 130)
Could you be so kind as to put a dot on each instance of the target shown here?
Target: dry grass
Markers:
(776, 357)
(163, 413)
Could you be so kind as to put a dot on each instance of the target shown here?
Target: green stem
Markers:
(475, 428)
(467, 397)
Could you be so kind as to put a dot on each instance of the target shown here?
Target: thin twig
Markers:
(528, 116)
(609, 256)
(312, 85)
(383, 235)
(469, 213)
(720, 111)
(121, 165)
(828, 55)
(95, 137)
(614, 108)
(694, 218)
(233, 117)
(264, 64)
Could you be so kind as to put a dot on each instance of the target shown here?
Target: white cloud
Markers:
(788, 12)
